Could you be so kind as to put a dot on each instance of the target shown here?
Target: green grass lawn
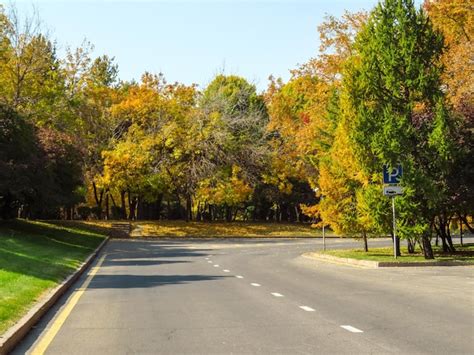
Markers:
(99, 227)
(464, 254)
(34, 257)
(226, 229)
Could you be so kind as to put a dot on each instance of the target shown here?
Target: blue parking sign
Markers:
(392, 175)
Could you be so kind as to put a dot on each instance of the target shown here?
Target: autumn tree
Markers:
(17, 144)
(91, 90)
(336, 37)
(40, 152)
(238, 141)
(455, 19)
(305, 113)
(297, 117)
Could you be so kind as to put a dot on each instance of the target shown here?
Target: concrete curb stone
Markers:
(18, 331)
(379, 264)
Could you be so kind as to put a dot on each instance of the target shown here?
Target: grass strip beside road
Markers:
(34, 258)
(463, 254)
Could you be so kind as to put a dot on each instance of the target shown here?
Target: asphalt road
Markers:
(255, 297)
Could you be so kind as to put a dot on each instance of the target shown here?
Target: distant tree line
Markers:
(391, 86)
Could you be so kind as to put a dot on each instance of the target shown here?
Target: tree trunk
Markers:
(158, 206)
(397, 246)
(366, 246)
(133, 202)
(112, 198)
(98, 200)
(427, 249)
(440, 231)
(236, 211)
(143, 210)
(69, 213)
(123, 208)
(445, 234)
(449, 239)
(228, 213)
(132, 205)
(107, 213)
(411, 243)
(297, 213)
(211, 212)
(189, 208)
(199, 212)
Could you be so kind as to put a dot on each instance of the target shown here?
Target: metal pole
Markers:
(394, 229)
(324, 240)
(460, 230)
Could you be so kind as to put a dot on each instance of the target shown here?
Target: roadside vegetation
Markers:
(387, 87)
(463, 254)
(172, 229)
(35, 257)
(222, 229)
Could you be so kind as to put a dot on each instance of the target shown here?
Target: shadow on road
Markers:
(146, 253)
(140, 262)
(152, 249)
(146, 281)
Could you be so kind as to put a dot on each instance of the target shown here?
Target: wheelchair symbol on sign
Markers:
(392, 175)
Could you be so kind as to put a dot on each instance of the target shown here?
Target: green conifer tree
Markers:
(395, 88)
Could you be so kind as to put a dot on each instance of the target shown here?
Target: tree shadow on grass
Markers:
(46, 232)
(26, 253)
(31, 266)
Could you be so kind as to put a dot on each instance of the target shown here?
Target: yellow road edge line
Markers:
(46, 340)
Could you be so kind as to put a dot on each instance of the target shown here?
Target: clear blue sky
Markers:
(190, 41)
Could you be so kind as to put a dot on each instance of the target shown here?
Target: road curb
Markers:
(379, 264)
(18, 331)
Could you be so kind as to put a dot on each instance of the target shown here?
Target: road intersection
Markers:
(254, 296)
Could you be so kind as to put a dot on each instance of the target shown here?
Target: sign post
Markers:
(324, 234)
(394, 229)
(324, 239)
(391, 177)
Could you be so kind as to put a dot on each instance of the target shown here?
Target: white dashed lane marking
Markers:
(305, 308)
(351, 329)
